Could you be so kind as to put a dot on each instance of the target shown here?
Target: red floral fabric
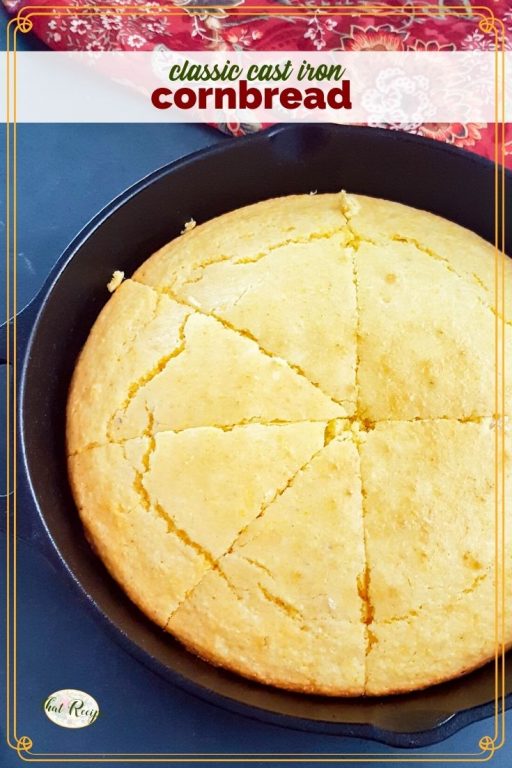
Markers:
(260, 25)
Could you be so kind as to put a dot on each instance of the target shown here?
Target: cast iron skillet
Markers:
(51, 332)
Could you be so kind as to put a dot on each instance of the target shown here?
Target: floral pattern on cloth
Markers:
(205, 25)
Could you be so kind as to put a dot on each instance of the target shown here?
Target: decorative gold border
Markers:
(488, 23)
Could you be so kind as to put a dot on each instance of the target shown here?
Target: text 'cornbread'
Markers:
(288, 442)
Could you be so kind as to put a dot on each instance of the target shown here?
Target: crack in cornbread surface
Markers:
(281, 438)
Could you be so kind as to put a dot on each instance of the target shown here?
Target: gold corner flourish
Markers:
(23, 23)
(24, 744)
(488, 744)
(487, 24)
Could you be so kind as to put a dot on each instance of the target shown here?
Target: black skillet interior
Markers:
(288, 159)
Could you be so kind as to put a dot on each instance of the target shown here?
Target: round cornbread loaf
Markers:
(288, 441)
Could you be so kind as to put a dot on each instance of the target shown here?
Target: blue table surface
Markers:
(66, 173)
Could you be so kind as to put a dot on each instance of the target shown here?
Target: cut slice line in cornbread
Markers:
(220, 378)
(467, 254)
(430, 544)
(194, 475)
(276, 609)
(243, 234)
(298, 302)
(136, 329)
(284, 438)
(440, 642)
(158, 538)
(154, 566)
(426, 342)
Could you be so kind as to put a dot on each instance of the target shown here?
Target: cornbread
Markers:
(288, 443)
(115, 281)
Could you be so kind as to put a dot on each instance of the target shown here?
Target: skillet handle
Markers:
(14, 338)
(25, 320)
(5, 335)
(25, 525)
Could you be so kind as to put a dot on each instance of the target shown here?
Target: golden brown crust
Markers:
(281, 443)
(412, 686)
(345, 692)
